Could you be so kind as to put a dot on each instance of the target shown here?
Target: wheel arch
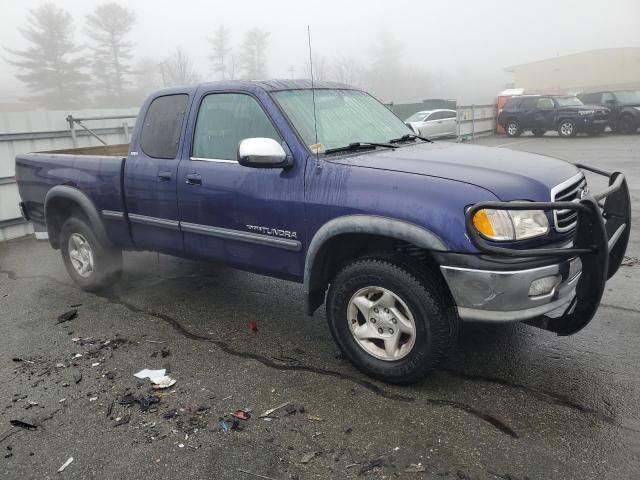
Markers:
(65, 201)
(347, 237)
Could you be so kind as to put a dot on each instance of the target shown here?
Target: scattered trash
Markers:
(170, 414)
(146, 402)
(127, 399)
(308, 457)
(165, 352)
(59, 365)
(95, 364)
(348, 430)
(253, 326)
(62, 400)
(68, 316)
(227, 398)
(371, 465)
(315, 418)
(241, 414)
(109, 409)
(93, 399)
(18, 360)
(257, 475)
(23, 424)
(77, 378)
(158, 377)
(75, 305)
(416, 468)
(630, 261)
(31, 404)
(122, 420)
(77, 355)
(224, 426)
(290, 409)
(274, 409)
(65, 465)
(154, 341)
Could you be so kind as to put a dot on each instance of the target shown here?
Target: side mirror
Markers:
(262, 153)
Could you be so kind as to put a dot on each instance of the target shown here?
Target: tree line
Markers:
(101, 70)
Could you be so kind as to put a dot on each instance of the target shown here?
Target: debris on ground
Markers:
(315, 418)
(274, 409)
(23, 424)
(65, 465)
(630, 261)
(68, 316)
(158, 377)
(146, 402)
(257, 475)
(241, 414)
(253, 326)
(290, 409)
(18, 360)
(165, 352)
(371, 465)
(308, 457)
(122, 420)
(416, 468)
(77, 377)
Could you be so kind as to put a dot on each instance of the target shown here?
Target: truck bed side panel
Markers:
(98, 177)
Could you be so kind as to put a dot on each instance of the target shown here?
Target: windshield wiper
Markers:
(359, 146)
(409, 136)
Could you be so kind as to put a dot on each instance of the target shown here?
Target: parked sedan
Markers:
(433, 123)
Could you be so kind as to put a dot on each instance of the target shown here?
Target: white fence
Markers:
(475, 121)
(22, 132)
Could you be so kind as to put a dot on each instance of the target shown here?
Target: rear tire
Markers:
(363, 302)
(539, 133)
(90, 264)
(567, 128)
(513, 128)
(626, 125)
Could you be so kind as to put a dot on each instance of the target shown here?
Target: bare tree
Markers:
(221, 52)
(51, 65)
(108, 27)
(178, 69)
(252, 56)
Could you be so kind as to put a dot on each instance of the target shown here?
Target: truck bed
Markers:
(120, 150)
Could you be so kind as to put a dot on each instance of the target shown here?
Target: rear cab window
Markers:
(162, 126)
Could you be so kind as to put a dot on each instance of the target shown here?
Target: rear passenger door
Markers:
(544, 115)
(150, 176)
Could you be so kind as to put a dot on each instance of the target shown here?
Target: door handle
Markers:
(164, 176)
(194, 179)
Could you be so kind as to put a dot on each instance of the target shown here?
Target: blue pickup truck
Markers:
(404, 239)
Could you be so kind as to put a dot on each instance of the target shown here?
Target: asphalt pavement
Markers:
(513, 402)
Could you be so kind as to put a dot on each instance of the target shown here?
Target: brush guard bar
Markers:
(600, 240)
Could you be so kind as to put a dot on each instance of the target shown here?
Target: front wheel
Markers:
(513, 128)
(567, 128)
(91, 265)
(390, 320)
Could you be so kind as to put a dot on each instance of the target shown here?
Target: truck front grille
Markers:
(569, 191)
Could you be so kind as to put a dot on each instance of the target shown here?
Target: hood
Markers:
(508, 174)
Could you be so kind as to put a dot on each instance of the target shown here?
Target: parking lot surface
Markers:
(513, 402)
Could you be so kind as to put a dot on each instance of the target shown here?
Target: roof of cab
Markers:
(250, 85)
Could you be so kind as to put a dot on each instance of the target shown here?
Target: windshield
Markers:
(629, 96)
(417, 117)
(568, 101)
(343, 117)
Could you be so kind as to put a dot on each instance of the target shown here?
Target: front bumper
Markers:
(507, 296)
(580, 271)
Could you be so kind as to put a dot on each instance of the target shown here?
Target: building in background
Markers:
(605, 68)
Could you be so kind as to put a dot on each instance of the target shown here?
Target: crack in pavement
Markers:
(623, 309)
(550, 397)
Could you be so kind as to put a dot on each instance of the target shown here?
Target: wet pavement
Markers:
(513, 402)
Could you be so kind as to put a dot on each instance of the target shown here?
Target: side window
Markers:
(162, 126)
(449, 114)
(437, 116)
(545, 104)
(224, 119)
(607, 97)
(529, 102)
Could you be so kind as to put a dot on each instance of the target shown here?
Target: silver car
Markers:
(433, 123)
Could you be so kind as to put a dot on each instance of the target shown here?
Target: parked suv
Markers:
(624, 106)
(566, 114)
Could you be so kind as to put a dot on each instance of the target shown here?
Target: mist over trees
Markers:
(108, 28)
(58, 72)
(52, 66)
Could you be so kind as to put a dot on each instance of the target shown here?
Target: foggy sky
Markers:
(463, 38)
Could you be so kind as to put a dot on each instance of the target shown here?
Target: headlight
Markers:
(637, 108)
(586, 112)
(510, 224)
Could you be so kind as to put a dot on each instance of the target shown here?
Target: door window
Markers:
(607, 97)
(162, 126)
(437, 116)
(545, 104)
(529, 102)
(224, 120)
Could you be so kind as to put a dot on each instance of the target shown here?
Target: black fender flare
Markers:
(367, 224)
(85, 204)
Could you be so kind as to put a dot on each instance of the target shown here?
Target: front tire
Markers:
(392, 321)
(90, 264)
(567, 128)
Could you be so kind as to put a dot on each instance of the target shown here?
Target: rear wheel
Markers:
(391, 321)
(91, 265)
(626, 125)
(539, 133)
(513, 128)
(567, 128)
